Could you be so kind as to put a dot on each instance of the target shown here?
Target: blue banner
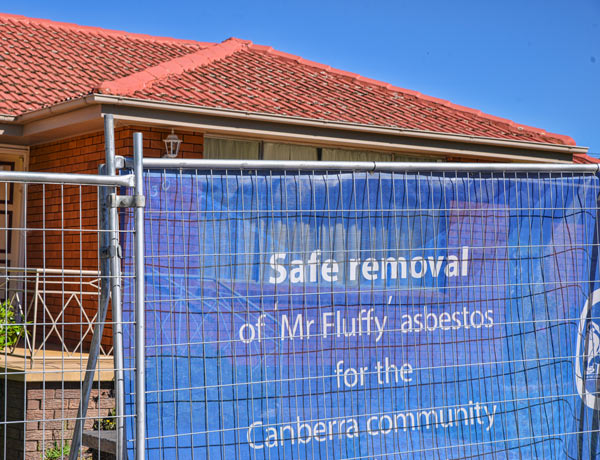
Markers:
(368, 315)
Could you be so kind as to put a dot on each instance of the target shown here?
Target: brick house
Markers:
(233, 99)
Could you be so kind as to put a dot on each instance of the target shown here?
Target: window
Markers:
(366, 155)
(236, 149)
(289, 152)
(231, 149)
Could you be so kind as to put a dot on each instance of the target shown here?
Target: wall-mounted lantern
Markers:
(172, 144)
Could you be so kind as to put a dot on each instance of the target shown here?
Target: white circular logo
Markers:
(587, 357)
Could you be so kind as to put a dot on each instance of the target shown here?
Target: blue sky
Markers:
(536, 62)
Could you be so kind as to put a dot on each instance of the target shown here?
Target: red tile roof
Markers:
(42, 62)
(584, 158)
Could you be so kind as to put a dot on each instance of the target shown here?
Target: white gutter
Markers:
(254, 116)
(56, 109)
(186, 108)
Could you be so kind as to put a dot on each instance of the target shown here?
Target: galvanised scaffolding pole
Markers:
(383, 166)
(140, 352)
(115, 285)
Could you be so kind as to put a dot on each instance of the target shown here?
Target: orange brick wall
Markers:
(69, 213)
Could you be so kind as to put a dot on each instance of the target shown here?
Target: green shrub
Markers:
(9, 331)
(57, 452)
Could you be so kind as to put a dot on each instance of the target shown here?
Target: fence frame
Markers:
(111, 289)
(138, 164)
(101, 183)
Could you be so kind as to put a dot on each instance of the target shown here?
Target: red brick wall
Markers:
(40, 415)
(69, 213)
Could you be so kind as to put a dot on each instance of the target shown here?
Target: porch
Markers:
(44, 370)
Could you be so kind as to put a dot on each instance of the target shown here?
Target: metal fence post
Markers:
(140, 352)
(115, 284)
(98, 329)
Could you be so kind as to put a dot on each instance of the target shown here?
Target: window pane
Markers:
(399, 157)
(230, 149)
(365, 155)
(355, 155)
(274, 151)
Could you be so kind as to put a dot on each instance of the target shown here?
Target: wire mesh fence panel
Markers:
(350, 315)
(50, 308)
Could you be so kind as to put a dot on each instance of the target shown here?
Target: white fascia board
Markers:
(89, 108)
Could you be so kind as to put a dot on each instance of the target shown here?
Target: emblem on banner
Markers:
(587, 358)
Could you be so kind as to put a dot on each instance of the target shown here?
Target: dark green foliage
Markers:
(107, 423)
